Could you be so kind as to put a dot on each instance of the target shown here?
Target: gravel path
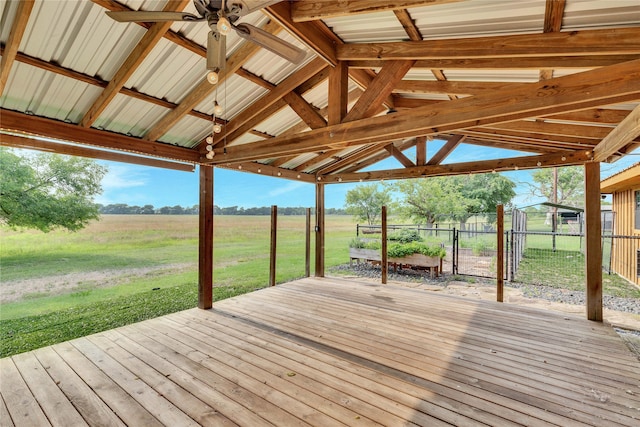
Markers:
(627, 305)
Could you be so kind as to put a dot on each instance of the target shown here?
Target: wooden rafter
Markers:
(553, 14)
(311, 10)
(605, 86)
(627, 131)
(369, 103)
(270, 102)
(556, 129)
(40, 126)
(129, 66)
(583, 61)
(18, 27)
(375, 158)
(445, 150)
(449, 87)
(297, 103)
(421, 150)
(574, 43)
(90, 153)
(203, 89)
(526, 162)
(399, 155)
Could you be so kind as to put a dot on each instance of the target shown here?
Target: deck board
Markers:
(325, 352)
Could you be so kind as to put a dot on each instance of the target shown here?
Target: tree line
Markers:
(124, 209)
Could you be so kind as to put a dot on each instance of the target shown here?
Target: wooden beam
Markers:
(512, 63)
(623, 134)
(421, 150)
(90, 153)
(445, 150)
(450, 87)
(268, 170)
(273, 246)
(592, 115)
(383, 249)
(359, 154)
(268, 100)
(593, 241)
(315, 34)
(205, 239)
(18, 27)
(312, 10)
(131, 64)
(553, 14)
(556, 129)
(567, 158)
(34, 125)
(320, 231)
(578, 91)
(408, 24)
(380, 88)
(616, 41)
(500, 253)
(305, 111)
(338, 95)
(372, 158)
(307, 243)
(530, 140)
(399, 155)
(204, 88)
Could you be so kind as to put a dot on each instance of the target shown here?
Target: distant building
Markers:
(625, 190)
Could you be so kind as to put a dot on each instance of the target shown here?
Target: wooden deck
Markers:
(332, 352)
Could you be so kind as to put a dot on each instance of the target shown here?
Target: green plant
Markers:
(358, 243)
(405, 236)
(399, 250)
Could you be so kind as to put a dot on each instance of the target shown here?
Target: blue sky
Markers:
(141, 185)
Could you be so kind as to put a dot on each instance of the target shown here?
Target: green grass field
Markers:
(122, 269)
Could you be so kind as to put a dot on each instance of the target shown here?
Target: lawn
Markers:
(125, 268)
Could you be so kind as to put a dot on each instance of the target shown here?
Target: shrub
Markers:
(399, 250)
(405, 236)
(359, 243)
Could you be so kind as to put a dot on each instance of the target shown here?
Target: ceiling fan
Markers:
(221, 16)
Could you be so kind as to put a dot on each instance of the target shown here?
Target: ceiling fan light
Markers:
(209, 139)
(212, 77)
(209, 147)
(223, 26)
(210, 155)
(217, 128)
(218, 110)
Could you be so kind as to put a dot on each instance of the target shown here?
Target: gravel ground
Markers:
(628, 305)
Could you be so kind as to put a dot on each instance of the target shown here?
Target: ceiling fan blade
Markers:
(148, 16)
(245, 7)
(216, 51)
(270, 42)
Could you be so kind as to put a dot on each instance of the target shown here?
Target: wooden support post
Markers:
(593, 241)
(500, 253)
(273, 246)
(307, 244)
(319, 230)
(205, 239)
(385, 265)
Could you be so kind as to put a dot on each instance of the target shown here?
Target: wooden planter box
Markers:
(365, 254)
(433, 263)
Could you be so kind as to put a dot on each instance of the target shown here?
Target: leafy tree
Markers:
(45, 191)
(365, 202)
(425, 200)
(482, 193)
(570, 185)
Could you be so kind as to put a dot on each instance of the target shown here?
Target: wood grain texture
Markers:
(336, 352)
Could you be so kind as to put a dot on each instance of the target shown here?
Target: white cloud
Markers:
(123, 176)
(285, 189)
